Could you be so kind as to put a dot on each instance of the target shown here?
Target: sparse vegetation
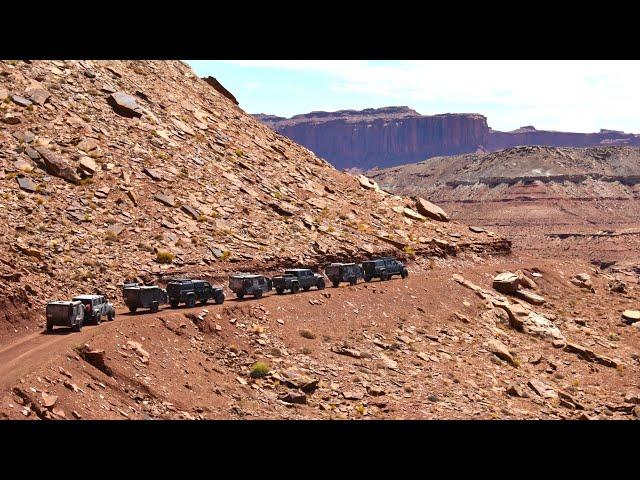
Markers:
(239, 153)
(259, 370)
(307, 334)
(409, 251)
(110, 236)
(164, 256)
(225, 255)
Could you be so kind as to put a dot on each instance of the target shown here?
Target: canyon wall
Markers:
(390, 136)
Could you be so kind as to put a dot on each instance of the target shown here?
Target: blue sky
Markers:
(578, 96)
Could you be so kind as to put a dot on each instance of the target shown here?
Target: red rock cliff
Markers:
(382, 137)
(391, 136)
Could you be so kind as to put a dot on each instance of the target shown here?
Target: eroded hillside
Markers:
(108, 168)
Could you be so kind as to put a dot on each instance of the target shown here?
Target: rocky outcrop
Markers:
(382, 137)
(390, 136)
(220, 88)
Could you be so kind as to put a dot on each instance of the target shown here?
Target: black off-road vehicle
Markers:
(245, 284)
(189, 291)
(96, 307)
(142, 296)
(384, 269)
(296, 278)
(65, 314)
(343, 272)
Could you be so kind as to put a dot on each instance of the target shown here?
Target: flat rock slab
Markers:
(430, 210)
(23, 102)
(631, 316)
(165, 200)
(57, 166)
(27, 184)
(38, 95)
(125, 105)
(530, 297)
(506, 282)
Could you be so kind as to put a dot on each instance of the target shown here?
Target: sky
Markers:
(564, 95)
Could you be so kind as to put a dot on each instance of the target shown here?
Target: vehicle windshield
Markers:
(237, 282)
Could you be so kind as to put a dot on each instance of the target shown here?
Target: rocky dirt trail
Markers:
(426, 347)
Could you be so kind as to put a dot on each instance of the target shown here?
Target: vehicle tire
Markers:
(279, 290)
(335, 283)
(295, 288)
(219, 298)
(49, 327)
(306, 289)
(384, 276)
(191, 301)
(173, 302)
(353, 281)
(133, 309)
(77, 327)
(204, 301)
(111, 316)
(97, 320)
(154, 307)
(320, 284)
(367, 278)
(258, 294)
(404, 273)
(240, 295)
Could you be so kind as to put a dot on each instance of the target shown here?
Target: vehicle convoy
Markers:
(143, 296)
(383, 268)
(246, 284)
(343, 272)
(189, 291)
(96, 307)
(65, 314)
(295, 279)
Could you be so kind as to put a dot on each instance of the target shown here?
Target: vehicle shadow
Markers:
(58, 331)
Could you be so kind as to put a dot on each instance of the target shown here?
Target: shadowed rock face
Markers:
(391, 136)
(382, 137)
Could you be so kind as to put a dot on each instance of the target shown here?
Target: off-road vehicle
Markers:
(96, 307)
(383, 268)
(183, 290)
(142, 296)
(343, 272)
(245, 284)
(295, 279)
(65, 314)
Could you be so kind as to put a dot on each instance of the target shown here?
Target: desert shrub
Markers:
(164, 256)
(239, 153)
(307, 334)
(226, 254)
(110, 236)
(409, 251)
(259, 369)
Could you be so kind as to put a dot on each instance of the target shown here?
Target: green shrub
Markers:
(164, 256)
(259, 369)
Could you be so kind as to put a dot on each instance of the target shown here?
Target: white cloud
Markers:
(575, 95)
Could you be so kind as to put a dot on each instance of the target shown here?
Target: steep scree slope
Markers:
(106, 164)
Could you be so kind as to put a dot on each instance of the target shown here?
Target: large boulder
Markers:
(428, 209)
(125, 105)
(583, 280)
(506, 282)
(57, 166)
(631, 316)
